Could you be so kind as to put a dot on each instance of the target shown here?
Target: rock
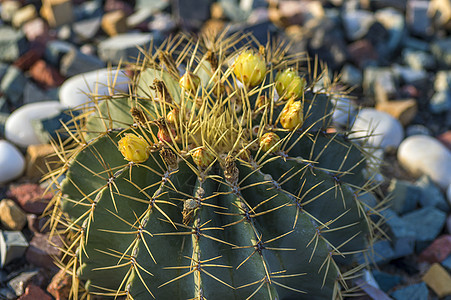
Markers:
(437, 251)
(386, 78)
(33, 292)
(46, 75)
(440, 10)
(344, 111)
(394, 22)
(87, 29)
(418, 19)
(37, 224)
(12, 44)
(57, 12)
(447, 263)
(403, 110)
(164, 24)
(12, 162)
(12, 84)
(356, 23)
(440, 102)
(73, 91)
(118, 5)
(193, 13)
(438, 280)
(23, 15)
(12, 216)
(30, 197)
(18, 283)
(373, 292)
(33, 93)
(421, 154)
(431, 195)
(28, 59)
(12, 245)
(19, 129)
(9, 8)
(140, 18)
(55, 50)
(410, 76)
(7, 293)
(37, 30)
(124, 46)
(401, 233)
(441, 49)
(417, 291)
(432, 222)
(380, 253)
(418, 60)
(445, 139)
(87, 10)
(404, 195)
(386, 281)
(114, 22)
(43, 250)
(383, 130)
(60, 285)
(417, 129)
(39, 159)
(74, 62)
(351, 75)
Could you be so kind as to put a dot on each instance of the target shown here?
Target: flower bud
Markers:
(292, 114)
(134, 148)
(249, 68)
(267, 142)
(190, 82)
(290, 85)
(202, 157)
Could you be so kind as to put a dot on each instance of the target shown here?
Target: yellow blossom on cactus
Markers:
(202, 157)
(289, 84)
(268, 141)
(190, 82)
(250, 68)
(134, 148)
(292, 114)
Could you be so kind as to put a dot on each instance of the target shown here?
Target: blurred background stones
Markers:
(394, 55)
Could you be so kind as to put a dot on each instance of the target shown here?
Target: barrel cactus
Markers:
(225, 182)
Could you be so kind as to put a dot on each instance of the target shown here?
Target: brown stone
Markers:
(57, 12)
(38, 224)
(30, 197)
(438, 250)
(43, 250)
(440, 10)
(12, 216)
(445, 139)
(403, 110)
(362, 51)
(28, 59)
(60, 285)
(114, 22)
(438, 280)
(23, 15)
(46, 75)
(40, 160)
(33, 292)
(213, 26)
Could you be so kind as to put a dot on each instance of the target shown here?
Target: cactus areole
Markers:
(178, 191)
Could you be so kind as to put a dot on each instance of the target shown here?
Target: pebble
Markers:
(12, 44)
(33, 292)
(445, 139)
(417, 129)
(431, 195)
(362, 53)
(19, 126)
(383, 130)
(432, 222)
(422, 154)
(404, 195)
(418, 18)
(55, 50)
(39, 158)
(60, 285)
(12, 84)
(114, 22)
(18, 283)
(9, 8)
(73, 91)
(12, 162)
(403, 110)
(356, 23)
(30, 197)
(441, 49)
(23, 15)
(385, 280)
(344, 111)
(12, 245)
(439, 280)
(46, 75)
(402, 235)
(417, 291)
(57, 13)
(75, 62)
(437, 251)
(43, 251)
(124, 46)
(440, 102)
(12, 216)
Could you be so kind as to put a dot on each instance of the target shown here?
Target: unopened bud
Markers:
(292, 114)
(190, 82)
(134, 148)
(165, 133)
(202, 157)
(268, 142)
(250, 68)
(290, 85)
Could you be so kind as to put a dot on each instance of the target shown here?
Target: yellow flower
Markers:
(292, 114)
(249, 68)
(268, 142)
(289, 84)
(190, 82)
(134, 148)
(202, 157)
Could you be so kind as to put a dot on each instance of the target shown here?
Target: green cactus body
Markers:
(265, 225)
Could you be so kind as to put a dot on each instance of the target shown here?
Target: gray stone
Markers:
(74, 62)
(351, 75)
(431, 195)
(441, 49)
(140, 16)
(7, 293)
(55, 50)
(385, 280)
(87, 10)
(417, 129)
(402, 234)
(124, 46)
(86, 29)
(426, 222)
(12, 245)
(417, 291)
(404, 196)
(411, 76)
(20, 282)
(447, 263)
(162, 23)
(384, 77)
(3, 69)
(33, 93)
(12, 84)
(418, 60)
(356, 23)
(415, 44)
(442, 81)
(12, 44)
(381, 252)
(154, 5)
(418, 19)
(393, 21)
(440, 102)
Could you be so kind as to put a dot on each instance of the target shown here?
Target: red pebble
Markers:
(46, 75)
(43, 250)
(437, 251)
(362, 51)
(60, 285)
(30, 197)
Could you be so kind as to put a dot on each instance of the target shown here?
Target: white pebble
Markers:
(12, 162)
(422, 154)
(19, 128)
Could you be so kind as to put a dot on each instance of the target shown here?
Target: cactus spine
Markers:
(190, 187)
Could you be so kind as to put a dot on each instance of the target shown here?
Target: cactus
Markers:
(190, 188)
